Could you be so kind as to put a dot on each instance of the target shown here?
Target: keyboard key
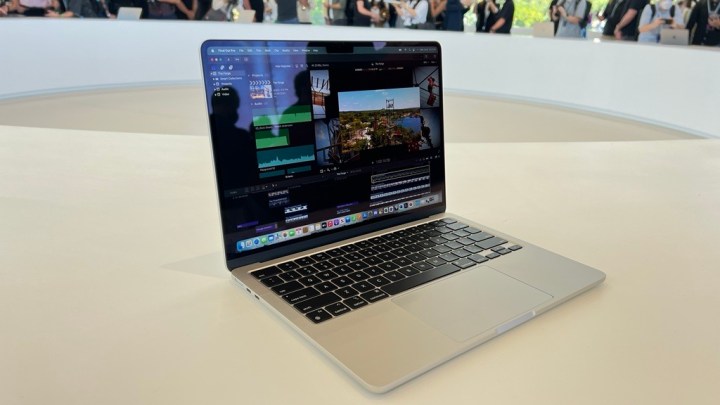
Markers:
(309, 280)
(320, 257)
(286, 288)
(358, 276)
(422, 278)
(306, 271)
(402, 261)
(470, 229)
(430, 253)
(387, 256)
(374, 296)
(266, 272)
(428, 244)
(465, 241)
(456, 225)
(322, 266)
(343, 281)
(363, 244)
(350, 248)
(393, 276)
(450, 236)
(358, 265)
(337, 252)
(400, 252)
(353, 257)
(432, 234)
(461, 233)
(373, 260)
(416, 257)
(374, 271)
(478, 258)
(301, 295)
(381, 248)
(461, 253)
(378, 281)
(504, 251)
(438, 241)
(325, 287)
(326, 275)
(363, 286)
(423, 266)
(304, 261)
(492, 255)
(290, 275)
(414, 248)
(443, 229)
(355, 302)
(317, 302)
(436, 261)
(346, 292)
(473, 249)
(497, 249)
(448, 221)
(442, 249)
(272, 281)
(337, 309)
(394, 244)
(318, 316)
(480, 236)
(388, 266)
(449, 257)
(342, 270)
(287, 266)
(454, 245)
(515, 247)
(338, 261)
(409, 271)
(368, 252)
(464, 263)
(490, 243)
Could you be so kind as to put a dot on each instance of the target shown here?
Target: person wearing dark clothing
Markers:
(495, 18)
(553, 17)
(454, 11)
(704, 23)
(611, 15)
(626, 28)
(186, 9)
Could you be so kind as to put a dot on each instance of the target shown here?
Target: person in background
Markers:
(499, 17)
(611, 15)
(367, 13)
(626, 28)
(569, 13)
(653, 18)
(552, 13)
(685, 7)
(186, 9)
(704, 23)
(287, 11)
(437, 12)
(412, 13)
(336, 12)
(454, 11)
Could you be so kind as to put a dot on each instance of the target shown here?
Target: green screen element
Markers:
(266, 139)
(300, 113)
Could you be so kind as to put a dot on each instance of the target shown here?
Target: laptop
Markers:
(129, 13)
(330, 167)
(670, 36)
(545, 29)
(244, 16)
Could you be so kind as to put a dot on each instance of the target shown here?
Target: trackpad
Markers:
(471, 303)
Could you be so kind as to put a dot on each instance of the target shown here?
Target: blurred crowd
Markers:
(627, 20)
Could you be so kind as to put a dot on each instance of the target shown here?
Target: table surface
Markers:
(113, 287)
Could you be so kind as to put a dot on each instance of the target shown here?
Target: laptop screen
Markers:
(313, 139)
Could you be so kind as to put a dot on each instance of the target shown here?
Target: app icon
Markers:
(285, 235)
(330, 224)
(292, 233)
(306, 229)
(342, 221)
(406, 205)
(263, 240)
(375, 212)
(364, 215)
(390, 209)
(354, 218)
(385, 210)
(256, 241)
(324, 225)
(410, 204)
(239, 246)
(347, 219)
(336, 222)
(271, 238)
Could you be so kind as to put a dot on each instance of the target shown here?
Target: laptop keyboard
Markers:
(334, 282)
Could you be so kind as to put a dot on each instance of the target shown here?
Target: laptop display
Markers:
(320, 141)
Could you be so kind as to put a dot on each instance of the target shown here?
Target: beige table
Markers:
(113, 288)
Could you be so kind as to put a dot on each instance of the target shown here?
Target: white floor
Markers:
(181, 110)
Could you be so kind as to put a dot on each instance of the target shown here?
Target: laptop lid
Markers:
(670, 36)
(315, 142)
(129, 13)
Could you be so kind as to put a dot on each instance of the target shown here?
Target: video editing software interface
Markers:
(314, 137)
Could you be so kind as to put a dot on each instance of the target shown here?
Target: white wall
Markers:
(675, 87)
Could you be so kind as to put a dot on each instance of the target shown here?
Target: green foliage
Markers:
(529, 12)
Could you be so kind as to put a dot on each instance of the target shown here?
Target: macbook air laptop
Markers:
(330, 166)
(129, 13)
(244, 16)
(669, 36)
(545, 29)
